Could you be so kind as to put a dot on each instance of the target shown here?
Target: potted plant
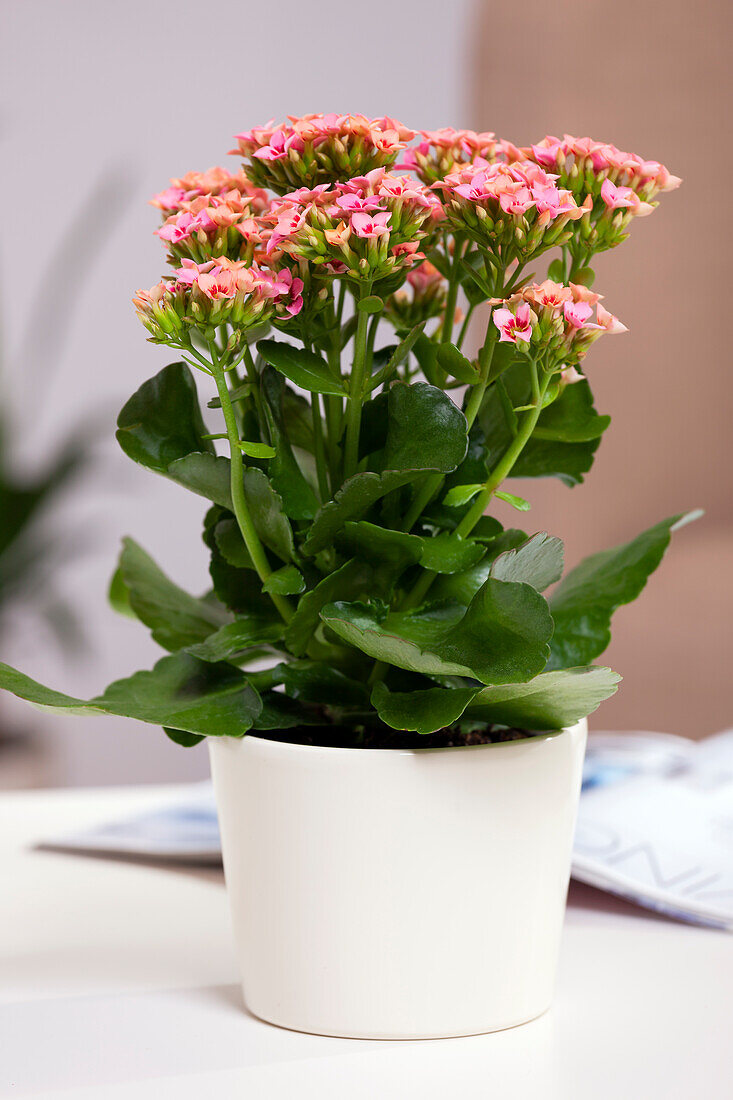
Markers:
(395, 708)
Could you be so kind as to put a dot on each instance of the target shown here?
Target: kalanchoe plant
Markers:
(359, 584)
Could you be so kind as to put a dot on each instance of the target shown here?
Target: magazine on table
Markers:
(655, 825)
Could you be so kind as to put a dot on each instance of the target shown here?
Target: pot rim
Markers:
(332, 750)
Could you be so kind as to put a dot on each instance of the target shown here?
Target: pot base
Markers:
(327, 1033)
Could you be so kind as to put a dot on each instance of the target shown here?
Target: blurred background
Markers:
(102, 103)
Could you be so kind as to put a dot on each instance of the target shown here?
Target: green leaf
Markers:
(501, 637)
(572, 419)
(462, 587)
(287, 581)
(572, 414)
(380, 545)
(279, 712)
(426, 433)
(426, 353)
(454, 362)
(556, 271)
(175, 618)
(551, 701)
(298, 497)
(585, 277)
(162, 421)
(186, 740)
(256, 450)
(318, 683)
(425, 429)
(421, 711)
(519, 503)
(461, 494)
(119, 596)
(372, 304)
(230, 543)
(449, 553)
(180, 692)
(204, 474)
(538, 561)
(234, 638)
(266, 510)
(351, 581)
(400, 353)
(583, 604)
(303, 367)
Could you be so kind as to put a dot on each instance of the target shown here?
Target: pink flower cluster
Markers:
(213, 225)
(319, 148)
(555, 318)
(214, 293)
(441, 151)
(573, 157)
(370, 225)
(214, 181)
(514, 209)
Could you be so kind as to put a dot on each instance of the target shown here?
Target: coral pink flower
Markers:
(338, 237)
(513, 326)
(218, 283)
(364, 225)
(584, 294)
(549, 294)
(607, 321)
(352, 202)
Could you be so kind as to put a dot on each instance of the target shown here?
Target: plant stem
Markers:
(320, 449)
(356, 387)
(239, 499)
(501, 471)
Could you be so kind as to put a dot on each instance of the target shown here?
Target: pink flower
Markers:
(286, 290)
(584, 294)
(518, 200)
(549, 198)
(218, 283)
(548, 151)
(368, 227)
(577, 314)
(617, 198)
(607, 321)
(549, 294)
(512, 326)
(568, 375)
(353, 202)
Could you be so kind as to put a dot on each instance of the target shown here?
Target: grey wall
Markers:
(122, 96)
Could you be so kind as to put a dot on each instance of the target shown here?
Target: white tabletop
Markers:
(118, 980)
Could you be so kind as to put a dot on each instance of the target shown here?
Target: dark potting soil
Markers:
(387, 738)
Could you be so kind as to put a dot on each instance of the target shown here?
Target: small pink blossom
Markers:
(569, 375)
(607, 321)
(514, 326)
(577, 314)
(617, 198)
(369, 227)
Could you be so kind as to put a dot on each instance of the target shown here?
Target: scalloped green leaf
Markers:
(501, 637)
(352, 580)
(287, 581)
(538, 561)
(175, 618)
(232, 639)
(584, 602)
(303, 367)
(423, 711)
(179, 692)
(551, 701)
(162, 420)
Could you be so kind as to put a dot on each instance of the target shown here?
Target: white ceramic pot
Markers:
(381, 893)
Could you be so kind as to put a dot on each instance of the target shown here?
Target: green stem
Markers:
(500, 473)
(356, 387)
(453, 286)
(239, 500)
(432, 484)
(320, 448)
